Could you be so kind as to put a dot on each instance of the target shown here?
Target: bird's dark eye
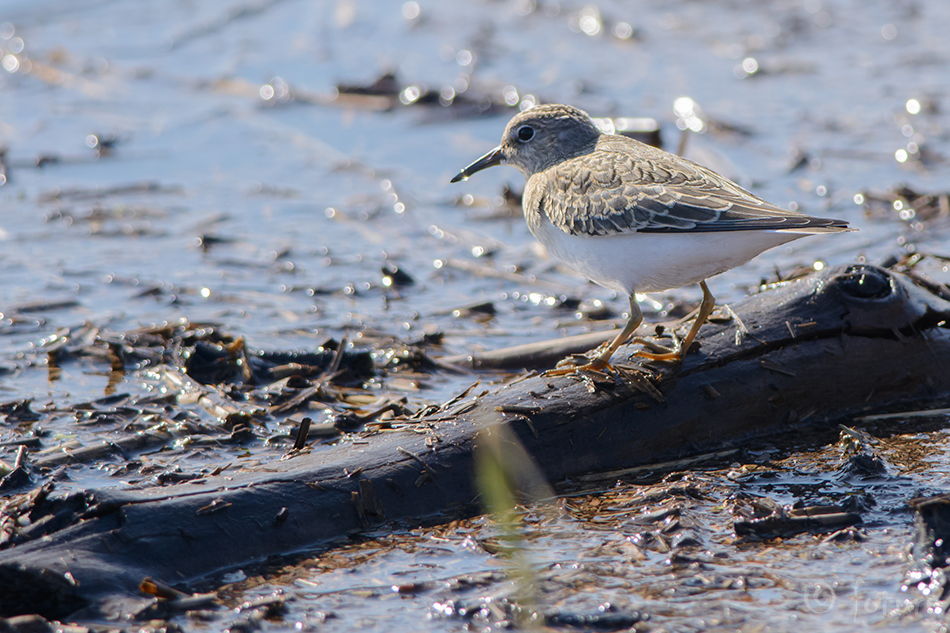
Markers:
(525, 133)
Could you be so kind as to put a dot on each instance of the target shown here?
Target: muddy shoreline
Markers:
(749, 379)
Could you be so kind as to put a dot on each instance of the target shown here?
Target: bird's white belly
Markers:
(653, 262)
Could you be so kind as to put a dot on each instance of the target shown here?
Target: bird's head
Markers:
(539, 138)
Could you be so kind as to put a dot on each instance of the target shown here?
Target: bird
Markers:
(634, 218)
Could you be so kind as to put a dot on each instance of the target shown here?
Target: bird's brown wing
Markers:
(625, 186)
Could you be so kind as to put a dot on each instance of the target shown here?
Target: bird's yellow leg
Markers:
(602, 360)
(705, 309)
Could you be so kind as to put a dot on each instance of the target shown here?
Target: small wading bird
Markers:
(634, 218)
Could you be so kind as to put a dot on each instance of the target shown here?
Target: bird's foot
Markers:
(597, 371)
(653, 351)
(666, 356)
(663, 354)
(578, 363)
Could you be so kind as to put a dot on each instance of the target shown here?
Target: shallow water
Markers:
(238, 191)
(609, 556)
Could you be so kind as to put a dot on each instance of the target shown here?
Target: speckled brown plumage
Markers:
(632, 217)
(614, 184)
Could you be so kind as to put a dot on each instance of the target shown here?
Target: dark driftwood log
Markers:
(822, 348)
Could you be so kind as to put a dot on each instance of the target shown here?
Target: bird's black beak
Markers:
(492, 158)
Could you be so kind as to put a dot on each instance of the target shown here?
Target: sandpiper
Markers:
(634, 218)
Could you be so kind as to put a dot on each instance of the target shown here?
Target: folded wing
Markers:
(631, 187)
